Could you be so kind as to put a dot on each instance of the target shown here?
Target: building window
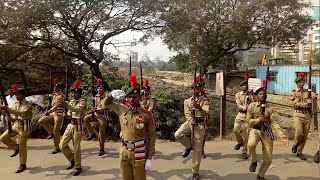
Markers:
(273, 75)
(317, 37)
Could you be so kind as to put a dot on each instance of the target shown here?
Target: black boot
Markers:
(203, 155)
(77, 172)
(245, 156)
(301, 156)
(196, 176)
(186, 152)
(253, 167)
(92, 136)
(21, 168)
(238, 146)
(50, 136)
(260, 178)
(71, 165)
(316, 157)
(55, 151)
(294, 148)
(15, 153)
(101, 153)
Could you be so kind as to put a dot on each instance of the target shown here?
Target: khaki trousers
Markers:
(183, 135)
(240, 131)
(255, 137)
(47, 121)
(22, 146)
(301, 124)
(102, 127)
(128, 168)
(72, 134)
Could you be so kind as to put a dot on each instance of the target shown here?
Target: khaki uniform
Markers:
(100, 106)
(22, 115)
(55, 117)
(255, 134)
(148, 103)
(240, 128)
(301, 117)
(74, 131)
(183, 134)
(138, 140)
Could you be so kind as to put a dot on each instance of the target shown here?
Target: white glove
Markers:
(148, 165)
(117, 94)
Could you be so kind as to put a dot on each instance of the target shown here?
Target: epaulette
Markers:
(293, 90)
(146, 111)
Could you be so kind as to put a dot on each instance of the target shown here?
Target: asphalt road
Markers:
(222, 163)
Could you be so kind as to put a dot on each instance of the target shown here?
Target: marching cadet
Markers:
(76, 110)
(195, 122)
(255, 119)
(54, 116)
(147, 102)
(301, 116)
(99, 115)
(204, 94)
(138, 133)
(22, 115)
(240, 129)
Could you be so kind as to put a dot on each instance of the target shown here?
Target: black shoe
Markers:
(21, 168)
(203, 156)
(238, 146)
(186, 152)
(245, 156)
(301, 156)
(316, 157)
(253, 167)
(15, 153)
(55, 151)
(294, 149)
(92, 136)
(71, 165)
(50, 136)
(101, 153)
(77, 172)
(196, 176)
(260, 178)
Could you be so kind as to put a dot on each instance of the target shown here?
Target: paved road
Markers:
(222, 163)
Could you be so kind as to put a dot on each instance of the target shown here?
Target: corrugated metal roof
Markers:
(286, 75)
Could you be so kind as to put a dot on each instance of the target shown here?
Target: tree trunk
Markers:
(98, 74)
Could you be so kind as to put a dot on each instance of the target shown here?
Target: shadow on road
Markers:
(109, 153)
(60, 170)
(181, 173)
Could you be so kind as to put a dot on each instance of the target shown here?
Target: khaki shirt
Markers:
(77, 108)
(148, 103)
(299, 98)
(101, 103)
(135, 126)
(188, 109)
(241, 100)
(55, 104)
(22, 110)
(271, 117)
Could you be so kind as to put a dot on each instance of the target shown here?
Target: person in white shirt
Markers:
(11, 99)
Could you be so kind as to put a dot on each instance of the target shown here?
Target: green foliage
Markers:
(210, 30)
(169, 109)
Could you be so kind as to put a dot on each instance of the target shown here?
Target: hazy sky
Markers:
(156, 47)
